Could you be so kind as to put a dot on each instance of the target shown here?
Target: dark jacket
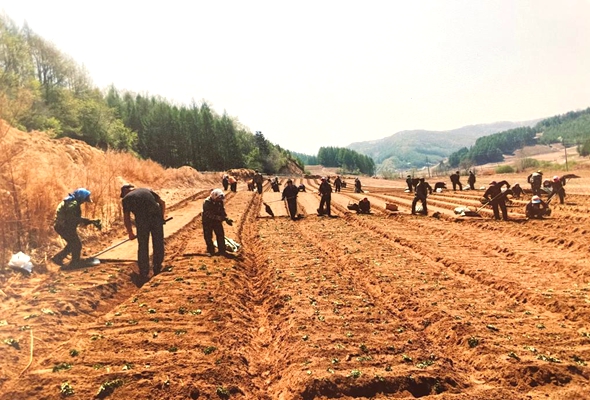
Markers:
(422, 189)
(325, 189)
(494, 192)
(290, 192)
(213, 212)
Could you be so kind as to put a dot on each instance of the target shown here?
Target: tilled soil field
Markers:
(386, 305)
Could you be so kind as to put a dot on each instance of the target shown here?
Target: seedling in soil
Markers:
(108, 388)
(196, 312)
(180, 332)
(172, 349)
(530, 348)
(355, 373)
(30, 316)
(12, 342)
(154, 335)
(222, 392)
(182, 310)
(363, 347)
(66, 389)
(96, 337)
(406, 358)
(209, 349)
(132, 322)
(305, 338)
(74, 353)
(98, 366)
(335, 361)
(152, 311)
(473, 341)
(62, 367)
(3, 322)
(492, 328)
(579, 361)
(548, 358)
(24, 328)
(127, 366)
(108, 323)
(514, 355)
(540, 326)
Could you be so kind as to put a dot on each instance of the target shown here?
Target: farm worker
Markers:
(364, 206)
(409, 182)
(67, 218)
(290, 194)
(213, 217)
(337, 184)
(455, 180)
(536, 208)
(149, 211)
(420, 194)
(274, 184)
(471, 180)
(233, 183)
(497, 198)
(557, 189)
(326, 193)
(357, 186)
(302, 188)
(535, 179)
(258, 180)
(517, 191)
(225, 181)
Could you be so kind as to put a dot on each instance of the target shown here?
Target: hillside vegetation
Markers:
(572, 128)
(43, 89)
(419, 148)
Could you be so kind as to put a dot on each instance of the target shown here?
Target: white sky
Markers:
(328, 73)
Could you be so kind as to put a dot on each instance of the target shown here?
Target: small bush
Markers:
(504, 169)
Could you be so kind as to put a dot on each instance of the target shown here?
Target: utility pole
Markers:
(564, 150)
(428, 165)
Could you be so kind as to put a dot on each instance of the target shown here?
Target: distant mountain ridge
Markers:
(415, 148)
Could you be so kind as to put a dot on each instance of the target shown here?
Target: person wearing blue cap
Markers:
(67, 218)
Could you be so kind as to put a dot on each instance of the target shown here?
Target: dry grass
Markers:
(37, 172)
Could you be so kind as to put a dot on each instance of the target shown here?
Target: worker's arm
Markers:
(162, 208)
(128, 226)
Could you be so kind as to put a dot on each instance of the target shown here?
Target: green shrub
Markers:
(504, 169)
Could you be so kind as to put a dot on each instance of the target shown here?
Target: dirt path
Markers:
(387, 305)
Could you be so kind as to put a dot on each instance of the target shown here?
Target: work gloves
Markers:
(229, 221)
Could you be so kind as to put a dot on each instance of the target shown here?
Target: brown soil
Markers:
(387, 305)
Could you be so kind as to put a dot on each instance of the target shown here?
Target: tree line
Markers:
(572, 128)
(346, 159)
(43, 89)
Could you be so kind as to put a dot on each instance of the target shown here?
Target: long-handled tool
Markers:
(268, 209)
(119, 244)
(467, 212)
(110, 248)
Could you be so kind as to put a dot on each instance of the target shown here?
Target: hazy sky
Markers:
(328, 73)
